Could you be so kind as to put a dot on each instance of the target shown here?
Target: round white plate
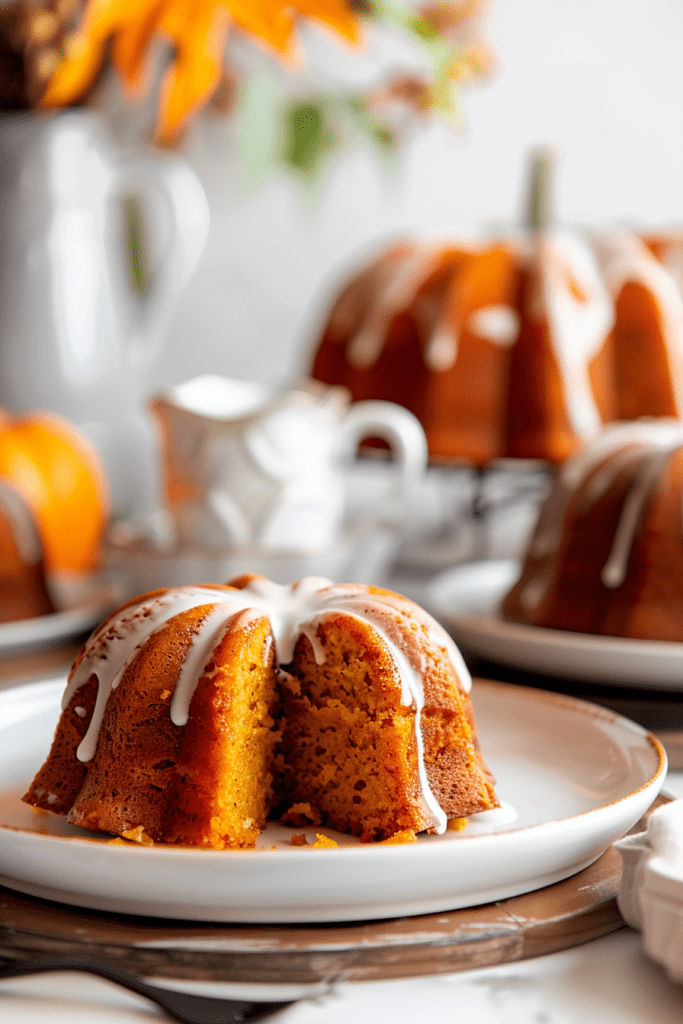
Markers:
(466, 600)
(82, 602)
(577, 775)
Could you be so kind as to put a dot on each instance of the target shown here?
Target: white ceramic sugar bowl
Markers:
(651, 892)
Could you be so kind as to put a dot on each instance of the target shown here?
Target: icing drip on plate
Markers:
(291, 611)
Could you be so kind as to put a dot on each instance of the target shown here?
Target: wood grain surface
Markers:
(556, 917)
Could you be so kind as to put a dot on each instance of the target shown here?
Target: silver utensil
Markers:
(181, 1006)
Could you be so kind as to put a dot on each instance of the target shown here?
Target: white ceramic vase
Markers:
(75, 336)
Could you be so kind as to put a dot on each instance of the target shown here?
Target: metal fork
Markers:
(181, 1006)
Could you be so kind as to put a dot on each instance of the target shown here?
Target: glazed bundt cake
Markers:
(23, 586)
(606, 555)
(520, 347)
(196, 712)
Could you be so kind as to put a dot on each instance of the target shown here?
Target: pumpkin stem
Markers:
(539, 203)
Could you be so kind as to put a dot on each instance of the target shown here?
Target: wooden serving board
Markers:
(559, 916)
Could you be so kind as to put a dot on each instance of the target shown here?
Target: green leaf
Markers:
(307, 137)
(135, 245)
(420, 27)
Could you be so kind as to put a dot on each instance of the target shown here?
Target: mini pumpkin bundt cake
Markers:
(606, 555)
(520, 347)
(23, 587)
(194, 713)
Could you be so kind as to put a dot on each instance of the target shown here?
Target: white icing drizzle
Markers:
(615, 568)
(291, 611)
(532, 594)
(489, 821)
(210, 634)
(624, 258)
(498, 323)
(113, 645)
(398, 291)
(23, 526)
(579, 311)
(442, 349)
(672, 258)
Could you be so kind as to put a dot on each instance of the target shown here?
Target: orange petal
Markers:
(74, 75)
(130, 47)
(198, 66)
(85, 52)
(197, 28)
(335, 13)
(103, 18)
(270, 22)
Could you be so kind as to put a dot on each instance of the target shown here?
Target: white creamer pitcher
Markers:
(250, 465)
(75, 336)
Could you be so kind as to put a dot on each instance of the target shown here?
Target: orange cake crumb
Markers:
(298, 840)
(406, 835)
(301, 814)
(324, 842)
(138, 835)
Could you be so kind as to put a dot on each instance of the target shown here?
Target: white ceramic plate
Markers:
(466, 600)
(577, 775)
(82, 602)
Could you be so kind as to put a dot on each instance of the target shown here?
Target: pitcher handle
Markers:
(173, 178)
(399, 428)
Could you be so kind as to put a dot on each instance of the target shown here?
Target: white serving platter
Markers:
(82, 602)
(466, 600)
(572, 776)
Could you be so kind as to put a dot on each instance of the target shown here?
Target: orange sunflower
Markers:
(197, 29)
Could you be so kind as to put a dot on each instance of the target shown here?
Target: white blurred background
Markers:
(599, 81)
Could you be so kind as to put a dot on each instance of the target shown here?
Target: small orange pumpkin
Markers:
(59, 475)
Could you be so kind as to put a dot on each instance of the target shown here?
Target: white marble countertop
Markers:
(607, 981)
